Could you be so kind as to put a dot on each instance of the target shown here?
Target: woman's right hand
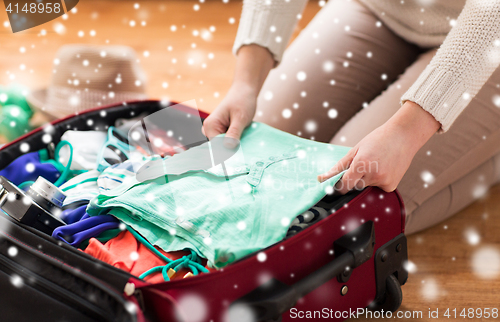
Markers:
(237, 109)
(233, 114)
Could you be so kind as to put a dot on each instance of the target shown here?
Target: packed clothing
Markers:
(170, 216)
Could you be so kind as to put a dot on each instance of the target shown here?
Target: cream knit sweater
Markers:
(469, 52)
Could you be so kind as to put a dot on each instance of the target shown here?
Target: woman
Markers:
(342, 81)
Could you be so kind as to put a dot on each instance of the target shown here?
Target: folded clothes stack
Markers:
(185, 219)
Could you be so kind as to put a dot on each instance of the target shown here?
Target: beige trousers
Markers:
(343, 77)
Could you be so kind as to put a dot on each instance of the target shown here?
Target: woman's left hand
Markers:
(383, 156)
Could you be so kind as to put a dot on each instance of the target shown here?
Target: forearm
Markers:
(414, 123)
(253, 64)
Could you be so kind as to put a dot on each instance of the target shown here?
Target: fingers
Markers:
(342, 165)
(234, 132)
(352, 178)
(211, 128)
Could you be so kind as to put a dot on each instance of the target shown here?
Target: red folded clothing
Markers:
(128, 254)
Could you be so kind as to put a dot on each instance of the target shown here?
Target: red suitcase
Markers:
(334, 269)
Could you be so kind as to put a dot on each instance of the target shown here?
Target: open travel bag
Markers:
(351, 258)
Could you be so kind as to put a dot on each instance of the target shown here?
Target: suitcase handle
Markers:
(272, 299)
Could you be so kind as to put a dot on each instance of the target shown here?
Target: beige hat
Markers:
(90, 76)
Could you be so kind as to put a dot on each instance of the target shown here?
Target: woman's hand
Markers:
(238, 107)
(383, 156)
(233, 114)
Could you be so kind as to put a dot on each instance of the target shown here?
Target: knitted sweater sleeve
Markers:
(462, 65)
(268, 23)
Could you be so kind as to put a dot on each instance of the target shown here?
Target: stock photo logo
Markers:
(26, 14)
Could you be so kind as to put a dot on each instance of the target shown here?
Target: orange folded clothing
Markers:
(127, 253)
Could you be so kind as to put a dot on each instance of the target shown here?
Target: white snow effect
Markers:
(239, 313)
(430, 290)
(131, 307)
(328, 66)
(15, 112)
(136, 136)
(179, 211)
(287, 113)
(496, 100)
(232, 20)
(485, 262)
(194, 307)
(268, 95)
(285, 222)
(410, 267)
(74, 100)
(311, 126)
(301, 76)
(16, 280)
(241, 225)
(261, 257)
(12, 251)
(30, 167)
(134, 256)
(427, 177)
(479, 191)
(333, 113)
(46, 138)
(24, 147)
(472, 236)
(206, 35)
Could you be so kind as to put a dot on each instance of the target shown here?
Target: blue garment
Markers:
(71, 216)
(84, 229)
(29, 166)
(228, 211)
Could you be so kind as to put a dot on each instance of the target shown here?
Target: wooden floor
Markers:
(453, 265)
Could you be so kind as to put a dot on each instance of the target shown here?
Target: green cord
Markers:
(191, 261)
(67, 169)
(25, 183)
(76, 184)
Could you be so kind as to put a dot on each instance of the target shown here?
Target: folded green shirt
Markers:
(229, 210)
